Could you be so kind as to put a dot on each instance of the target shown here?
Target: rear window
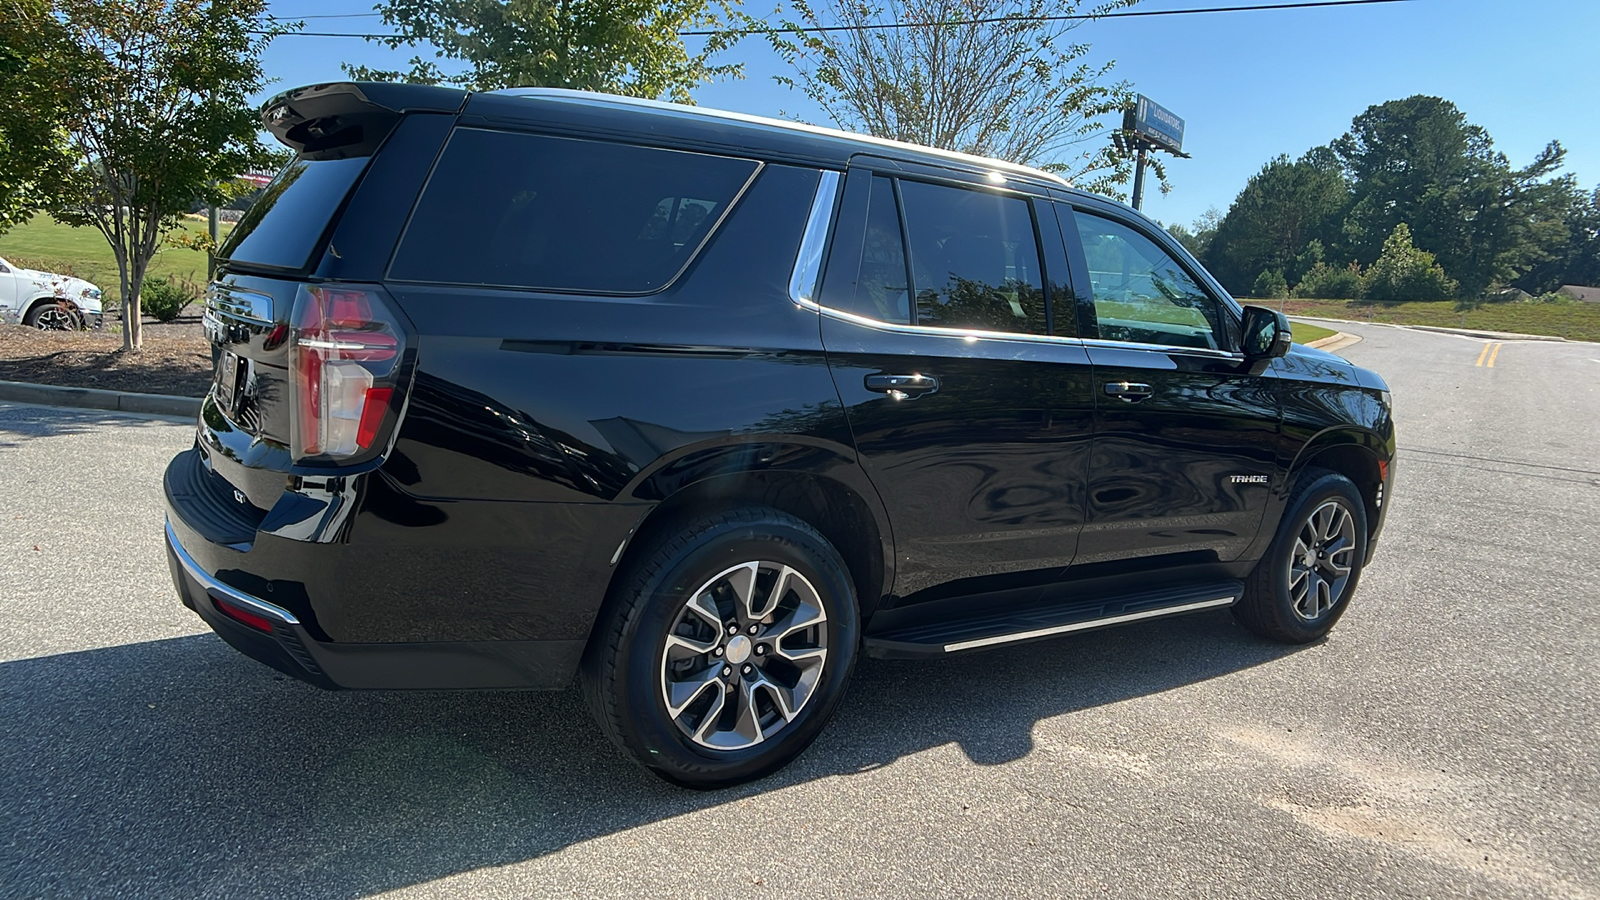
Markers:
(532, 211)
(284, 226)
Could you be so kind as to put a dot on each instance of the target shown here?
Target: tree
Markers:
(156, 113)
(1403, 272)
(1420, 161)
(1282, 209)
(626, 47)
(33, 153)
(1196, 238)
(988, 77)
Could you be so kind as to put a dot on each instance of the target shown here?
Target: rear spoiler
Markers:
(348, 118)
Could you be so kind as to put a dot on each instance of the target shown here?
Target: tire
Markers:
(58, 316)
(1286, 599)
(652, 675)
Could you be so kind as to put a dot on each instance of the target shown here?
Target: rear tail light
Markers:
(344, 353)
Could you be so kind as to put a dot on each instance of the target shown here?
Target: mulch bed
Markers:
(176, 359)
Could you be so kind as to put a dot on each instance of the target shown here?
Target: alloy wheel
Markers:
(744, 655)
(1322, 560)
(56, 317)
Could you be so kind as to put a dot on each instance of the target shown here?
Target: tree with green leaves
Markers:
(1419, 161)
(1274, 220)
(1404, 272)
(1196, 238)
(33, 152)
(993, 78)
(628, 47)
(156, 114)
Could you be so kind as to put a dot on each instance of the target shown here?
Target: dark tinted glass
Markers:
(543, 212)
(283, 226)
(974, 259)
(1141, 294)
(881, 291)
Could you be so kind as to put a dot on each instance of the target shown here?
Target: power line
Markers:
(879, 26)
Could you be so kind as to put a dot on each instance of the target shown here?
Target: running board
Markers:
(991, 627)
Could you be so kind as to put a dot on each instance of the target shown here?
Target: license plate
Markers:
(229, 373)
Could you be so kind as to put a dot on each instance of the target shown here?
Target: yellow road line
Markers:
(1483, 353)
(1494, 354)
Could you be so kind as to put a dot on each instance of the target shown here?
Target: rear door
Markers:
(1185, 432)
(971, 413)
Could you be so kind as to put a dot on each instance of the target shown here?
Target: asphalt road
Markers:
(1444, 742)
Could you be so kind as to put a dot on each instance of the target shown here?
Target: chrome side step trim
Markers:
(1083, 626)
(213, 586)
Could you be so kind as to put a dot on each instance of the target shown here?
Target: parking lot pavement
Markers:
(1442, 743)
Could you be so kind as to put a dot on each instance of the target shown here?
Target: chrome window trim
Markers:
(1163, 348)
(211, 585)
(938, 331)
(808, 265)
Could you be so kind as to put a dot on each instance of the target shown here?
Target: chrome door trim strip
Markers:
(1081, 626)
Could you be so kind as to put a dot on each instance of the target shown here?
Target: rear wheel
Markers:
(725, 649)
(1303, 585)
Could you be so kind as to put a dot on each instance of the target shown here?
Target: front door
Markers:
(1184, 452)
(972, 420)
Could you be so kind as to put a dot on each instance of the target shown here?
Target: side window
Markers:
(525, 210)
(974, 259)
(881, 290)
(1141, 294)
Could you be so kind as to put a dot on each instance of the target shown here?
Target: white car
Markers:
(48, 301)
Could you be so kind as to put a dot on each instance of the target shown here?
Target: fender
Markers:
(806, 475)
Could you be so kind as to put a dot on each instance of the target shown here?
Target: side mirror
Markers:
(1266, 333)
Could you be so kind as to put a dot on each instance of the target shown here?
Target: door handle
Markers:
(902, 387)
(1129, 392)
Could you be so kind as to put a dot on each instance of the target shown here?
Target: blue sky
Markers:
(1250, 85)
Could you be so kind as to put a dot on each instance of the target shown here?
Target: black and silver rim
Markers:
(56, 318)
(1322, 560)
(744, 655)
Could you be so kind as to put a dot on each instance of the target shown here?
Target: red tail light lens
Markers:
(344, 348)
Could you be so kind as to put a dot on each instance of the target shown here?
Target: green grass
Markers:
(47, 244)
(1305, 334)
(1576, 321)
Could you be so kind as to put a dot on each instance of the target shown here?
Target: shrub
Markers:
(1324, 282)
(1404, 272)
(1271, 285)
(165, 298)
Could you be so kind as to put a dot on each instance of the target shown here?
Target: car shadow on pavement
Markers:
(179, 768)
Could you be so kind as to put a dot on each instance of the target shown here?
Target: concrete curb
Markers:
(1335, 341)
(1464, 332)
(94, 398)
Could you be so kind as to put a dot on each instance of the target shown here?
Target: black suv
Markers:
(519, 385)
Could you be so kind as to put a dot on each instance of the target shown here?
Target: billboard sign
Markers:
(1155, 123)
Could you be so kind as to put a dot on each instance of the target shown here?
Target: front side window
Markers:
(974, 259)
(534, 211)
(1141, 294)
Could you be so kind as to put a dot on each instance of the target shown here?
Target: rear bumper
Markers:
(291, 649)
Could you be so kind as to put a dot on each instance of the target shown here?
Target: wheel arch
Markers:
(1359, 455)
(820, 485)
(39, 300)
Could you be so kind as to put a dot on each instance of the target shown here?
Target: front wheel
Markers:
(59, 316)
(1303, 585)
(725, 649)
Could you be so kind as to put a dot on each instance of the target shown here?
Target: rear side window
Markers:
(974, 259)
(532, 211)
(284, 225)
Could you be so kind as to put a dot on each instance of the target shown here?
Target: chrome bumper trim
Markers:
(212, 585)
